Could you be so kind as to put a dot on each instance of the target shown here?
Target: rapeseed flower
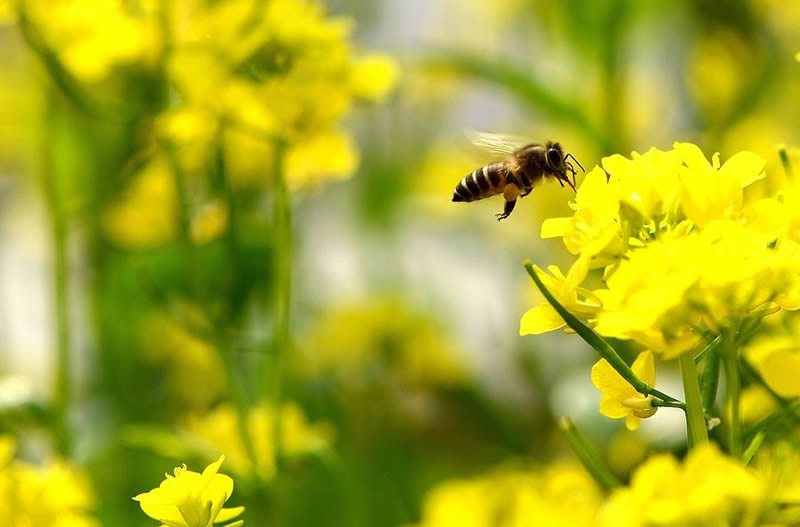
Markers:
(220, 429)
(561, 493)
(581, 302)
(190, 499)
(620, 399)
(683, 254)
(52, 494)
(708, 488)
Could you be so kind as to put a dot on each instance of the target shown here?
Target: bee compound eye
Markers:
(553, 157)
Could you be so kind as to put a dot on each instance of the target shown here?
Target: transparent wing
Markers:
(499, 144)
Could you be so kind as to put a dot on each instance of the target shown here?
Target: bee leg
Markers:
(506, 210)
(526, 192)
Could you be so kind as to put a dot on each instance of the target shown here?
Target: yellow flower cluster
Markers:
(682, 253)
(190, 499)
(244, 74)
(706, 488)
(221, 430)
(51, 495)
(561, 494)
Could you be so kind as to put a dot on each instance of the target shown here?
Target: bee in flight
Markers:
(525, 166)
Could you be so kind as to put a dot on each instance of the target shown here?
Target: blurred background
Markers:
(226, 227)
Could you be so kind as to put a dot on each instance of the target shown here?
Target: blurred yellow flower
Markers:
(558, 494)
(190, 499)
(709, 488)
(145, 214)
(92, 37)
(578, 301)
(37, 496)
(755, 404)
(619, 398)
(777, 358)
(374, 76)
(386, 335)
(220, 428)
(330, 156)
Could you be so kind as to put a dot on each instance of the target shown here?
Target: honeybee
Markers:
(514, 177)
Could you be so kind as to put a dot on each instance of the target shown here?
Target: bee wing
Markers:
(498, 144)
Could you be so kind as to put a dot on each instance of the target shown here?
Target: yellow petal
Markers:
(632, 422)
(540, 319)
(611, 407)
(228, 514)
(554, 227)
(745, 167)
(607, 380)
(644, 367)
(692, 156)
(781, 370)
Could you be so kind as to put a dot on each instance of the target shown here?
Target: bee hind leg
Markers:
(506, 210)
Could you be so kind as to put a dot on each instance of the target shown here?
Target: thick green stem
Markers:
(730, 361)
(697, 432)
(601, 473)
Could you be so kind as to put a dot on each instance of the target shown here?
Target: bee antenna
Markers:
(576, 161)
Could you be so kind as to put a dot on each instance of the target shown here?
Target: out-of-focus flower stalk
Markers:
(730, 362)
(697, 432)
(60, 277)
(283, 279)
(601, 473)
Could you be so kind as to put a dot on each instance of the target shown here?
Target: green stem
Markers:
(658, 403)
(697, 432)
(730, 361)
(785, 161)
(753, 447)
(282, 342)
(60, 275)
(601, 473)
(600, 345)
(710, 380)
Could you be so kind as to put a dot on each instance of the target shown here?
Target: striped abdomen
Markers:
(482, 183)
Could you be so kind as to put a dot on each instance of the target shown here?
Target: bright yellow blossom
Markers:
(578, 301)
(190, 499)
(619, 398)
(712, 192)
(595, 227)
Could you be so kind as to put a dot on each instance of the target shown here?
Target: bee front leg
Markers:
(506, 210)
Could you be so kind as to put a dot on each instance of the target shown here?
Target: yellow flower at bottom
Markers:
(620, 399)
(189, 499)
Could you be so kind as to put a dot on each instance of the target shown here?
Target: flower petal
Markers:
(644, 367)
(555, 227)
(540, 319)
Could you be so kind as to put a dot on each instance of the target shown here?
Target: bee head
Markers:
(558, 165)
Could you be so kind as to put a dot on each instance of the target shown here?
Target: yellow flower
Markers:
(511, 497)
(330, 156)
(189, 499)
(220, 429)
(619, 398)
(755, 404)
(777, 358)
(708, 489)
(711, 192)
(52, 494)
(595, 227)
(374, 76)
(577, 300)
